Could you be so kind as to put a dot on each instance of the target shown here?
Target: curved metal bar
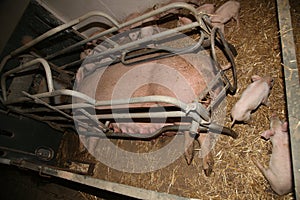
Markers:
(39, 101)
(127, 46)
(55, 31)
(161, 10)
(24, 66)
(4, 61)
(171, 51)
(191, 110)
(66, 92)
(180, 128)
(215, 128)
(232, 88)
(63, 27)
(133, 21)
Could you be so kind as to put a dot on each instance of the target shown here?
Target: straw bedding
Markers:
(234, 176)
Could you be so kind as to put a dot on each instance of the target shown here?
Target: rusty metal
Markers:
(292, 89)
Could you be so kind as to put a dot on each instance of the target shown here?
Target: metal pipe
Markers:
(61, 28)
(139, 136)
(199, 109)
(232, 88)
(171, 51)
(66, 92)
(133, 21)
(53, 32)
(93, 119)
(213, 128)
(4, 61)
(36, 99)
(24, 66)
(53, 66)
(137, 115)
(145, 40)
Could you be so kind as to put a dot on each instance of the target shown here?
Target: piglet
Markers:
(255, 94)
(279, 173)
(207, 8)
(224, 13)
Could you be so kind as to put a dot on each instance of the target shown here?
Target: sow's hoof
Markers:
(189, 154)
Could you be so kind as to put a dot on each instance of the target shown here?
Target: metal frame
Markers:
(199, 115)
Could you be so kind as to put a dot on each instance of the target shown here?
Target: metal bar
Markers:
(138, 115)
(66, 92)
(165, 99)
(292, 90)
(24, 66)
(125, 46)
(59, 111)
(55, 31)
(214, 31)
(194, 110)
(37, 100)
(93, 119)
(61, 28)
(117, 188)
(53, 66)
(133, 21)
(148, 136)
(88, 15)
(170, 52)
(2, 148)
(212, 128)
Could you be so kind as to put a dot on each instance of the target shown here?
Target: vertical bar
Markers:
(291, 86)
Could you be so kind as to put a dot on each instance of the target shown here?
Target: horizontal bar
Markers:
(135, 43)
(66, 92)
(137, 115)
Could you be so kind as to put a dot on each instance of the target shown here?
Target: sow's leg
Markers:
(188, 147)
(206, 143)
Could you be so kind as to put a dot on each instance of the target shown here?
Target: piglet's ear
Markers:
(255, 78)
(267, 134)
(284, 127)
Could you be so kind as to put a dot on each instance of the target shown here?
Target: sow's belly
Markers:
(182, 77)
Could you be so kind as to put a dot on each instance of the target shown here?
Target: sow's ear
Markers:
(255, 78)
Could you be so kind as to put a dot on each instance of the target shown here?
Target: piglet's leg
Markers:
(265, 101)
(205, 141)
(270, 176)
(188, 147)
(236, 18)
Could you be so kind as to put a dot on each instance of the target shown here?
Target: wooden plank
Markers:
(292, 91)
